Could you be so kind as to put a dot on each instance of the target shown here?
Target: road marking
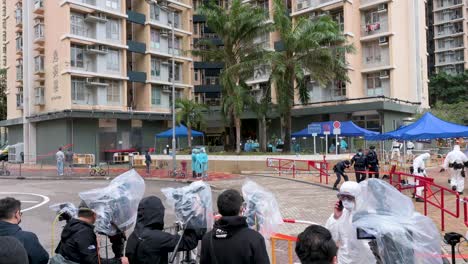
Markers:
(29, 201)
(45, 199)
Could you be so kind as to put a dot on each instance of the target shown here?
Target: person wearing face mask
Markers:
(10, 218)
(419, 169)
(456, 161)
(360, 164)
(350, 249)
(339, 170)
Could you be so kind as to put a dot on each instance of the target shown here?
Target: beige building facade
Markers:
(98, 67)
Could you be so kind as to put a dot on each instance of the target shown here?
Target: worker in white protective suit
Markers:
(409, 150)
(350, 249)
(419, 169)
(456, 161)
(396, 146)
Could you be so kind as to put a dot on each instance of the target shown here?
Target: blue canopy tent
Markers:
(427, 127)
(348, 129)
(180, 131)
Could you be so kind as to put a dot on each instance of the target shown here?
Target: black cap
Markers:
(347, 162)
(372, 147)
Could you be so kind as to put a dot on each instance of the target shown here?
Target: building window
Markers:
(113, 29)
(195, 75)
(113, 60)
(78, 26)
(39, 63)
(176, 47)
(39, 31)
(19, 41)
(176, 20)
(155, 12)
(113, 91)
(339, 89)
(374, 84)
(178, 68)
(78, 89)
(155, 67)
(76, 56)
(112, 4)
(155, 95)
(155, 39)
(19, 70)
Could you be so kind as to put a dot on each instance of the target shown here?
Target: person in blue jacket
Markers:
(204, 162)
(194, 162)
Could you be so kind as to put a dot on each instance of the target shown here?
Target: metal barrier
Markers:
(294, 166)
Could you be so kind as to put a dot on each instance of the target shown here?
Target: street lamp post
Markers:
(172, 13)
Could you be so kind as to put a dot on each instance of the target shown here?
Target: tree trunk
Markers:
(232, 135)
(238, 134)
(287, 131)
(263, 134)
(189, 137)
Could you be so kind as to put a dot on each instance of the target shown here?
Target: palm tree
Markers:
(191, 114)
(237, 27)
(310, 47)
(262, 105)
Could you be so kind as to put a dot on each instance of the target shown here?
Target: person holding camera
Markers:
(339, 170)
(79, 243)
(350, 249)
(149, 244)
(456, 161)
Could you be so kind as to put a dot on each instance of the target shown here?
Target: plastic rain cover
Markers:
(261, 209)
(192, 204)
(65, 208)
(402, 236)
(116, 205)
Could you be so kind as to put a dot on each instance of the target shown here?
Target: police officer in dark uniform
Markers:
(373, 162)
(360, 165)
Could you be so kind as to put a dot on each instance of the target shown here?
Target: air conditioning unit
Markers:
(96, 17)
(256, 87)
(166, 89)
(383, 41)
(314, 14)
(300, 6)
(382, 7)
(101, 49)
(164, 33)
(94, 81)
(384, 74)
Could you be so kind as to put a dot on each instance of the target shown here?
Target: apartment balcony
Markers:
(450, 57)
(374, 28)
(19, 73)
(19, 17)
(38, 7)
(135, 76)
(39, 33)
(376, 59)
(136, 47)
(135, 17)
(448, 30)
(19, 101)
(305, 4)
(39, 98)
(198, 18)
(372, 2)
(212, 38)
(444, 4)
(207, 65)
(446, 17)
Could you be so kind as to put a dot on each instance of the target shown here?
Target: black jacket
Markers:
(359, 161)
(340, 167)
(232, 242)
(372, 159)
(36, 253)
(148, 244)
(79, 244)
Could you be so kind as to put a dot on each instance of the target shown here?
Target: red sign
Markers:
(336, 124)
(326, 127)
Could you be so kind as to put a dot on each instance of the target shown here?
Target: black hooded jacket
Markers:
(36, 253)
(232, 242)
(79, 244)
(148, 244)
(341, 166)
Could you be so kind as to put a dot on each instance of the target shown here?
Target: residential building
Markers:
(3, 32)
(94, 73)
(387, 72)
(450, 39)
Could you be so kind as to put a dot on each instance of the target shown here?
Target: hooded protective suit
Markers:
(149, 244)
(419, 167)
(350, 249)
(396, 146)
(402, 235)
(194, 161)
(203, 158)
(456, 160)
(409, 148)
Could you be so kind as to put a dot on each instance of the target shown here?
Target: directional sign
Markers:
(314, 129)
(336, 124)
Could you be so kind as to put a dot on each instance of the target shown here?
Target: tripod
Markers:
(187, 254)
